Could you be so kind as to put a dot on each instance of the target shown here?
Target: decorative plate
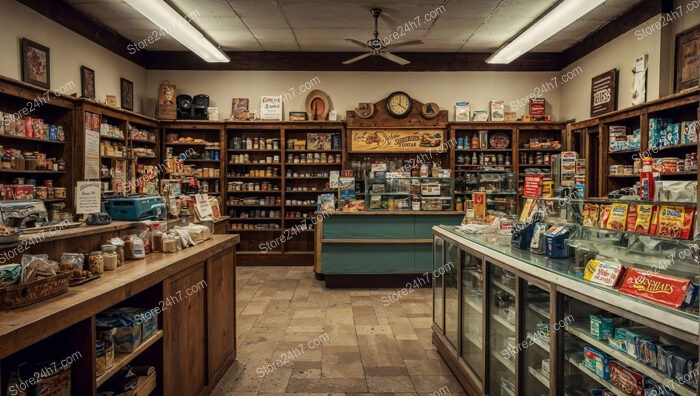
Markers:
(499, 140)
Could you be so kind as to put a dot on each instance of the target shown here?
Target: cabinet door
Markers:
(185, 346)
(221, 312)
(502, 320)
(438, 287)
(451, 293)
(536, 338)
(472, 312)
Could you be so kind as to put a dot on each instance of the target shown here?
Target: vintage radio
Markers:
(184, 107)
(201, 103)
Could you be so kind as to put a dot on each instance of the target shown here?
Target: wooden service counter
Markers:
(376, 249)
(194, 289)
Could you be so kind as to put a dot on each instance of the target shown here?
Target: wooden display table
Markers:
(195, 341)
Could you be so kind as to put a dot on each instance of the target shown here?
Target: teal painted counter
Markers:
(376, 243)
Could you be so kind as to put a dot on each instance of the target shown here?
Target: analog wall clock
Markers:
(399, 104)
(430, 110)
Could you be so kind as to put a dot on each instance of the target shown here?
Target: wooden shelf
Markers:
(254, 151)
(254, 177)
(254, 192)
(254, 230)
(145, 385)
(122, 359)
(202, 160)
(551, 150)
(254, 206)
(112, 157)
(377, 241)
(255, 218)
(28, 139)
(307, 178)
(311, 192)
(675, 147)
(140, 141)
(535, 165)
(207, 144)
(114, 138)
(623, 152)
(253, 164)
(34, 172)
(314, 151)
(313, 164)
(492, 150)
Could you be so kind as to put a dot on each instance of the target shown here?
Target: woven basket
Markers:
(16, 296)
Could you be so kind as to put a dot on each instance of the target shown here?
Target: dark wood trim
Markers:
(69, 17)
(332, 61)
(635, 16)
(466, 378)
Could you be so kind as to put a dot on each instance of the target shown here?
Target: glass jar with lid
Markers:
(17, 160)
(61, 164)
(96, 262)
(29, 161)
(110, 256)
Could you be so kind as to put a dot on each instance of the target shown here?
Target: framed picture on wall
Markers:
(687, 53)
(127, 94)
(36, 63)
(87, 82)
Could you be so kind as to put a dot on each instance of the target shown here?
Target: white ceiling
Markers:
(322, 25)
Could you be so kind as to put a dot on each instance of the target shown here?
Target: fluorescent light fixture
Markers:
(556, 20)
(172, 23)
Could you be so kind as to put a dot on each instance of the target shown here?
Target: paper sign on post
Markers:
(88, 197)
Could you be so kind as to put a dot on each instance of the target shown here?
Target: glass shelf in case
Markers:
(472, 312)
(502, 330)
(535, 356)
(451, 293)
(400, 194)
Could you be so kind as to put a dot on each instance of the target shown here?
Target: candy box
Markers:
(661, 289)
(603, 273)
(663, 355)
(646, 351)
(673, 134)
(630, 336)
(597, 362)
(601, 328)
(680, 362)
(618, 217)
(628, 380)
(617, 343)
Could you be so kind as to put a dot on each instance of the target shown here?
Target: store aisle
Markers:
(333, 341)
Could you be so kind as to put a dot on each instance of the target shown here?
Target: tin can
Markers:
(28, 128)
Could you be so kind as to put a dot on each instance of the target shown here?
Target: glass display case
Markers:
(412, 193)
(502, 322)
(438, 284)
(451, 293)
(535, 360)
(473, 312)
(498, 186)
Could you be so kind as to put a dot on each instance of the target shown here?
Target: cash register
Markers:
(25, 213)
(137, 208)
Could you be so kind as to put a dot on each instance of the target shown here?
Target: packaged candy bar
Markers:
(646, 351)
(604, 273)
(628, 380)
(661, 289)
(618, 217)
(631, 218)
(670, 221)
(618, 343)
(645, 215)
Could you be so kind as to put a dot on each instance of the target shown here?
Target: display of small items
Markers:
(621, 140)
(33, 128)
(296, 202)
(307, 174)
(254, 226)
(253, 201)
(482, 140)
(245, 159)
(314, 158)
(173, 138)
(484, 159)
(254, 143)
(257, 214)
(665, 165)
(112, 149)
(22, 188)
(270, 171)
(109, 130)
(677, 362)
(326, 186)
(252, 186)
(207, 154)
(122, 330)
(537, 158)
(298, 215)
(13, 159)
(139, 134)
(663, 132)
(316, 141)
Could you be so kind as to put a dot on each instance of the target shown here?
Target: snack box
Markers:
(680, 361)
(497, 110)
(661, 289)
(646, 351)
(689, 132)
(653, 388)
(597, 362)
(663, 356)
(673, 134)
(603, 273)
(128, 335)
(628, 380)
(556, 242)
(537, 106)
(601, 328)
(618, 343)
(630, 336)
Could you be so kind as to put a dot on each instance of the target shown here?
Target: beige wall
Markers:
(346, 89)
(68, 52)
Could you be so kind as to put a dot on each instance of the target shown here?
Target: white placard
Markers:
(92, 155)
(203, 206)
(88, 197)
(271, 108)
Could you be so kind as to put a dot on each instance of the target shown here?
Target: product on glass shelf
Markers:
(646, 180)
(628, 380)
(604, 273)
(604, 216)
(645, 217)
(675, 221)
(590, 215)
(631, 218)
(597, 362)
(96, 263)
(665, 290)
(601, 327)
(618, 217)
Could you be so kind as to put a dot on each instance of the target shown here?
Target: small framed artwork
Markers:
(687, 53)
(297, 116)
(127, 94)
(36, 63)
(87, 82)
(239, 106)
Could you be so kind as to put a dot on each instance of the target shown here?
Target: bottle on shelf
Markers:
(415, 202)
(458, 206)
(424, 170)
(482, 159)
(475, 161)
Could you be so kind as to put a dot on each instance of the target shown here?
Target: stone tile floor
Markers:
(297, 337)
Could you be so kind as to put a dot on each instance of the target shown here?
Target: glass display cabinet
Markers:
(473, 312)
(412, 193)
(502, 333)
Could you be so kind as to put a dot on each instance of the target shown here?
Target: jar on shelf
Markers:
(41, 193)
(96, 262)
(61, 164)
(110, 256)
(59, 192)
(40, 160)
(29, 161)
(17, 161)
(6, 160)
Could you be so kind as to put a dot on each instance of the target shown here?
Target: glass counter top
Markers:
(500, 244)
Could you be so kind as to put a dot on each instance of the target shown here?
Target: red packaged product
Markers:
(28, 130)
(628, 380)
(631, 217)
(651, 286)
(688, 221)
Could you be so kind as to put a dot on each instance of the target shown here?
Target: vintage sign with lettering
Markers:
(397, 140)
(604, 93)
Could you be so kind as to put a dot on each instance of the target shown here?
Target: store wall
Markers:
(346, 89)
(69, 51)
(655, 37)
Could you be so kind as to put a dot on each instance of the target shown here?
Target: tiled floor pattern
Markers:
(370, 348)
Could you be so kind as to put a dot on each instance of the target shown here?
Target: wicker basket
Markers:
(16, 296)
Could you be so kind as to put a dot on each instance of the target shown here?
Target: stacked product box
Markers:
(663, 132)
(620, 139)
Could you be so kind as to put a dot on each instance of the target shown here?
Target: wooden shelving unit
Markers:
(296, 249)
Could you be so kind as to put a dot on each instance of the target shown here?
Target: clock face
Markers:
(399, 104)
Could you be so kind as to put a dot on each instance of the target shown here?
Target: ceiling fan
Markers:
(376, 46)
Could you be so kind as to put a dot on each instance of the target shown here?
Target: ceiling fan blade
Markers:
(404, 44)
(388, 55)
(357, 42)
(357, 58)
